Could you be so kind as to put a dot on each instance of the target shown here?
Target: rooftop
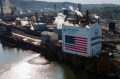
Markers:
(76, 25)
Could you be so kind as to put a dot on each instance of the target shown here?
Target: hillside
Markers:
(107, 12)
(42, 4)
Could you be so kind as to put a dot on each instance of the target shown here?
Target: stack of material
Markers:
(47, 37)
(40, 26)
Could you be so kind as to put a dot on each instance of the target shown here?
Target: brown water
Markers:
(16, 63)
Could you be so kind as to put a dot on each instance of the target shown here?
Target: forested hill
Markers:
(32, 4)
(107, 12)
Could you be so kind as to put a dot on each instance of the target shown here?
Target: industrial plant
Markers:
(79, 39)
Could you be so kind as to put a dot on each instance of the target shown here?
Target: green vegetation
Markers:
(107, 12)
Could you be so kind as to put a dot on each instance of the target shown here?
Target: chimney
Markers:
(2, 14)
(87, 17)
(79, 7)
(36, 14)
(55, 9)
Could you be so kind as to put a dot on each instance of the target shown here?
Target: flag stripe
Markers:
(81, 42)
(78, 46)
(80, 37)
(77, 50)
(85, 49)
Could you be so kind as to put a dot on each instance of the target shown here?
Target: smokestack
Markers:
(2, 14)
(79, 7)
(55, 7)
(36, 14)
(87, 17)
(66, 13)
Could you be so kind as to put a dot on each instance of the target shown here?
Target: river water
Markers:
(16, 63)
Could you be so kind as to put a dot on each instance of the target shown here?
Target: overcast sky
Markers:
(87, 1)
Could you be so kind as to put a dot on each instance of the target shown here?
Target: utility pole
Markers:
(2, 14)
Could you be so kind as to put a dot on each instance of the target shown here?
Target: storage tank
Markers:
(7, 9)
(59, 32)
(66, 12)
(47, 37)
(5, 28)
(40, 26)
(111, 26)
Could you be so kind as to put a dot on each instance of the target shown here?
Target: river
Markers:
(16, 63)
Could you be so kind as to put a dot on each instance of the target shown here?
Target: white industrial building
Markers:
(84, 40)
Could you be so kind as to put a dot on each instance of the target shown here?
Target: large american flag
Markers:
(77, 44)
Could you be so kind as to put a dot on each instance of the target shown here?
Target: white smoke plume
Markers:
(71, 8)
(59, 20)
(75, 11)
(78, 13)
